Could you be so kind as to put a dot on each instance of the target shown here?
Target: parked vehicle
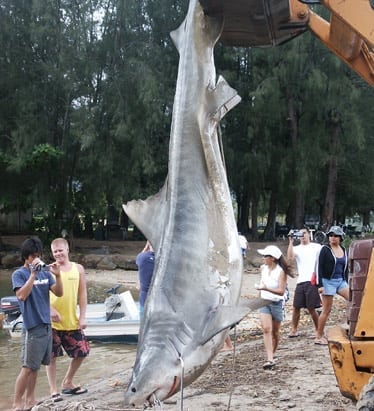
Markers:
(115, 320)
(352, 345)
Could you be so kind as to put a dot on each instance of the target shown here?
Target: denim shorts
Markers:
(333, 286)
(275, 309)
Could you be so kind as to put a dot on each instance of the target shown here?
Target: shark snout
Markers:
(165, 388)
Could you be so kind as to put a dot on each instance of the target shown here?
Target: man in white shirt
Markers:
(306, 295)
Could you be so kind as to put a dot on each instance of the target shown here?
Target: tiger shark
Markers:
(195, 290)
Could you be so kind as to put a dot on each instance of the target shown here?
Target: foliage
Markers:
(85, 114)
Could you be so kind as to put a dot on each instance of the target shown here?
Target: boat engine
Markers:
(10, 307)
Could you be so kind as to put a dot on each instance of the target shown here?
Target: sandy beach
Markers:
(303, 378)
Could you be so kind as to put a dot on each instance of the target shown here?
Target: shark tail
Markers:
(212, 26)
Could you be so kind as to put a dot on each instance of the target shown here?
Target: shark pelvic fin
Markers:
(222, 99)
(177, 36)
(227, 316)
(149, 215)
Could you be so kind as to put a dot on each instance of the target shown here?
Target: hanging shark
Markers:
(195, 290)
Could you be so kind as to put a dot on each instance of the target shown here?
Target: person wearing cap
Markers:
(273, 284)
(332, 277)
(306, 295)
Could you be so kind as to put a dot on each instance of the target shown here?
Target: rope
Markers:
(233, 370)
(182, 381)
(49, 405)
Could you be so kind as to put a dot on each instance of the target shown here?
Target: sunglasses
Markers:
(266, 256)
(334, 235)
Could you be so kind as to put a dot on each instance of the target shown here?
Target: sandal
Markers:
(321, 341)
(56, 397)
(268, 365)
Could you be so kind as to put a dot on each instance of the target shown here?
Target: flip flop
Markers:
(56, 397)
(321, 341)
(293, 335)
(74, 391)
(268, 365)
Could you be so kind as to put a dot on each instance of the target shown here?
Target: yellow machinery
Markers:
(352, 347)
(349, 32)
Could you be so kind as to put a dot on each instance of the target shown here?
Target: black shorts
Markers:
(306, 296)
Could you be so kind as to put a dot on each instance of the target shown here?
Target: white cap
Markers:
(272, 250)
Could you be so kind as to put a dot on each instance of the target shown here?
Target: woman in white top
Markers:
(273, 284)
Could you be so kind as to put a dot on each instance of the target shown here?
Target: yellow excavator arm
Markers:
(349, 32)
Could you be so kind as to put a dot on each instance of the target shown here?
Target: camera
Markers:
(295, 234)
(41, 266)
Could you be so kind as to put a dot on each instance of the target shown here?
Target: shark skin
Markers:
(194, 296)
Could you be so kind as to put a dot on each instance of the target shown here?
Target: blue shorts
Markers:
(333, 286)
(36, 346)
(275, 309)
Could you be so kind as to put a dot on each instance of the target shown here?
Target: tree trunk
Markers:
(299, 209)
(254, 217)
(332, 177)
(269, 234)
(243, 214)
(295, 217)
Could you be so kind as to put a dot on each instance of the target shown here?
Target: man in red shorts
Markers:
(67, 327)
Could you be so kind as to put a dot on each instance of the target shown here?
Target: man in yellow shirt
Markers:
(67, 327)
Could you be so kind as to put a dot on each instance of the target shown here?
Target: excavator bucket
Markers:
(254, 23)
(262, 23)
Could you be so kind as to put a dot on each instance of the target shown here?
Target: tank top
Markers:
(67, 304)
(271, 280)
(339, 268)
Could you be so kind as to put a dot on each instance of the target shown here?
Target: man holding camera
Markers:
(306, 295)
(32, 283)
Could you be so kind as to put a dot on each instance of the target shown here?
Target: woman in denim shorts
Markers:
(332, 277)
(273, 284)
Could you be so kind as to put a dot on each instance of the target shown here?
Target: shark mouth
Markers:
(153, 398)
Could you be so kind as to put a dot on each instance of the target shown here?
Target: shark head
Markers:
(153, 380)
(168, 358)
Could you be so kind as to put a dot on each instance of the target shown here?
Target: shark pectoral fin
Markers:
(227, 316)
(224, 317)
(149, 215)
(253, 304)
(224, 99)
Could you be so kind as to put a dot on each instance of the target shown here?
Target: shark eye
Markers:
(133, 389)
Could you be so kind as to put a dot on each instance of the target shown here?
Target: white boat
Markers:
(116, 320)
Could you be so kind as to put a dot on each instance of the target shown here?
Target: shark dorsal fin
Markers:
(149, 215)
